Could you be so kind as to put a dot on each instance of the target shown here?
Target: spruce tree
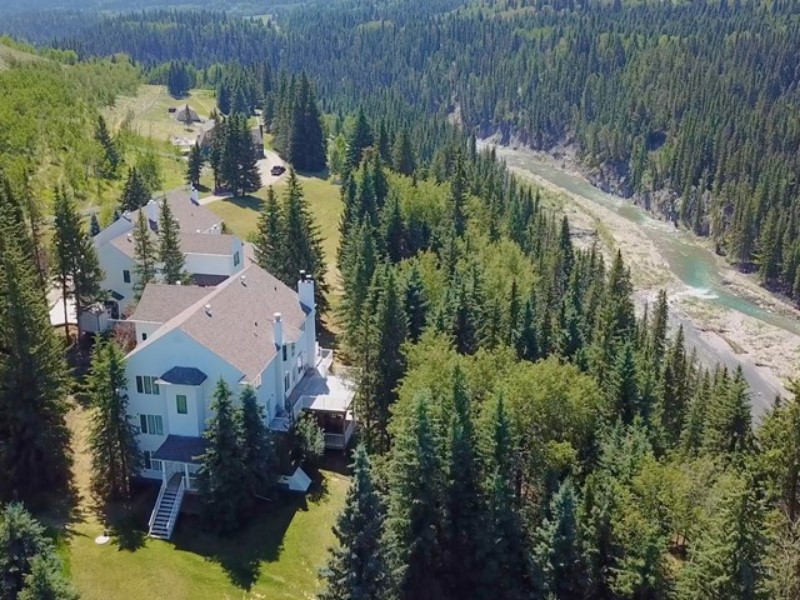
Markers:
(414, 514)
(403, 154)
(728, 427)
(135, 194)
(415, 304)
(145, 254)
(269, 238)
(29, 565)
(393, 230)
(257, 448)
(94, 225)
(462, 538)
(111, 156)
(195, 166)
(359, 140)
(458, 199)
(558, 550)
(623, 391)
(116, 458)
(222, 471)
(356, 568)
(169, 249)
(33, 380)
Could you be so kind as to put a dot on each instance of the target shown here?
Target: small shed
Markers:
(187, 115)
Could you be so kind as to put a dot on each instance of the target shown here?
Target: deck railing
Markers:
(157, 504)
(176, 507)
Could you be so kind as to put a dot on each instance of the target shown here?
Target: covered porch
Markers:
(180, 455)
(330, 400)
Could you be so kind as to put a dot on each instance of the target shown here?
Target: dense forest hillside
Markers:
(690, 108)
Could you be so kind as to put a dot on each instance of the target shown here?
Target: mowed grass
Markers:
(277, 556)
(324, 200)
(147, 113)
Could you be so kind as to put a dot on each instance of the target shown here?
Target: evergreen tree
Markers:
(222, 471)
(728, 428)
(111, 156)
(623, 390)
(169, 249)
(415, 304)
(403, 154)
(458, 199)
(94, 225)
(359, 140)
(726, 559)
(505, 570)
(414, 515)
(356, 569)
(462, 536)
(116, 458)
(144, 254)
(307, 145)
(29, 565)
(195, 166)
(238, 168)
(269, 239)
(393, 230)
(77, 268)
(135, 194)
(257, 448)
(33, 379)
(558, 552)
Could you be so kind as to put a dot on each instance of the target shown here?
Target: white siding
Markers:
(114, 262)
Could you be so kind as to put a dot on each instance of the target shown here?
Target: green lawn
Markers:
(241, 214)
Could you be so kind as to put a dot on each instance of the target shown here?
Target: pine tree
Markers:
(116, 458)
(403, 154)
(77, 267)
(257, 448)
(33, 379)
(462, 537)
(725, 561)
(221, 471)
(675, 389)
(238, 168)
(269, 238)
(728, 429)
(505, 569)
(111, 156)
(169, 249)
(458, 199)
(623, 391)
(415, 304)
(94, 225)
(558, 552)
(29, 565)
(195, 166)
(393, 230)
(414, 515)
(144, 254)
(224, 98)
(135, 194)
(307, 146)
(356, 569)
(359, 140)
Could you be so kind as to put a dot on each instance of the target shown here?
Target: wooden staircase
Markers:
(167, 507)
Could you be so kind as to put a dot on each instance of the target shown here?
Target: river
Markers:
(689, 260)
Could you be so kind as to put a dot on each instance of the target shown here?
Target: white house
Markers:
(250, 330)
(211, 256)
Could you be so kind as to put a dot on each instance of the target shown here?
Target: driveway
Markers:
(267, 178)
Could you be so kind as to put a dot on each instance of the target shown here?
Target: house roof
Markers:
(185, 113)
(161, 302)
(184, 376)
(204, 243)
(180, 448)
(191, 216)
(238, 325)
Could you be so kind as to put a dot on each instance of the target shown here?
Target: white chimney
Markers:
(208, 309)
(277, 330)
(194, 195)
(305, 289)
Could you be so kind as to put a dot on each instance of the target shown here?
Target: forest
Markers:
(524, 431)
(686, 107)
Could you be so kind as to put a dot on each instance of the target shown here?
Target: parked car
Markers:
(277, 170)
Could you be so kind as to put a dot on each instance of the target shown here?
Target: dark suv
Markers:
(278, 170)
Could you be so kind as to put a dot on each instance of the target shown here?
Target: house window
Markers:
(284, 353)
(145, 384)
(126, 276)
(180, 401)
(292, 350)
(286, 382)
(236, 258)
(144, 336)
(152, 464)
(151, 424)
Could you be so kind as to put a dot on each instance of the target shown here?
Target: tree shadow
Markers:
(321, 175)
(241, 555)
(126, 522)
(248, 202)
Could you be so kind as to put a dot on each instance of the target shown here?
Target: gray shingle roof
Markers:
(161, 302)
(184, 376)
(205, 243)
(181, 448)
(239, 325)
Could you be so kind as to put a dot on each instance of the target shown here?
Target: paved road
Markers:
(264, 168)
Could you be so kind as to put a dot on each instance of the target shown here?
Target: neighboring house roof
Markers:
(204, 243)
(191, 216)
(180, 448)
(161, 302)
(184, 376)
(238, 325)
(186, 114)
